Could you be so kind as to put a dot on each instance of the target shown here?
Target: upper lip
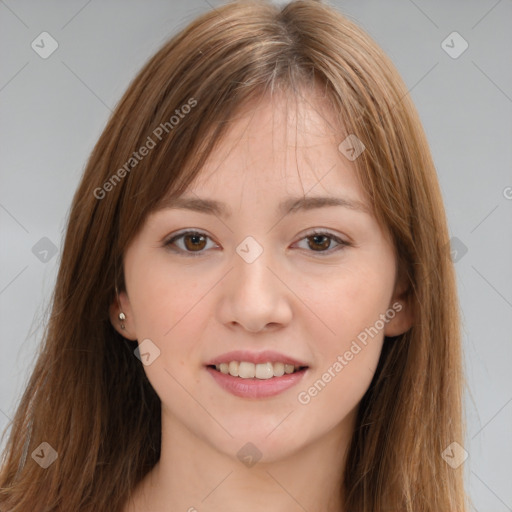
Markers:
(255, 357)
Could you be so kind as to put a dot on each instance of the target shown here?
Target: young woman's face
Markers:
(250, 285)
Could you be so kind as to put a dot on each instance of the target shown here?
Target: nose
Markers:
(255, 295)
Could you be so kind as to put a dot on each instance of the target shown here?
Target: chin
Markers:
(269, 440)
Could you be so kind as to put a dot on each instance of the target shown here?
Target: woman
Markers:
(255, 305)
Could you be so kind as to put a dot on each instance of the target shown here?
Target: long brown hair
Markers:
(88, 396)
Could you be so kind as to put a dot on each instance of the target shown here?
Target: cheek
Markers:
(171, 309)
(161, 298)
(348, 352)
(350, 303)
(333, 396)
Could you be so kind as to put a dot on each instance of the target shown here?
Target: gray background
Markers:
(53, 110)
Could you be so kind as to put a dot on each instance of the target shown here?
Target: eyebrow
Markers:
(290, 205)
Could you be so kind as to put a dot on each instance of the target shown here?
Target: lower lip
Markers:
(256, 388)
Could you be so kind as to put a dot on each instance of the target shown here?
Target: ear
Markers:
(402, 305)
(125, 307)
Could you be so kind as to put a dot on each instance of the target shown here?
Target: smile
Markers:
(262, 371)
(262, 383)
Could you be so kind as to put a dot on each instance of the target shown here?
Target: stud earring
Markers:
(122, 317)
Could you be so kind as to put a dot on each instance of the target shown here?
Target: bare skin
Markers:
(302, 296)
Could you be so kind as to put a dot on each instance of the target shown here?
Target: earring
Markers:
(122, 317)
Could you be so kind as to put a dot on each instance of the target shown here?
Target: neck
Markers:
(193, 476)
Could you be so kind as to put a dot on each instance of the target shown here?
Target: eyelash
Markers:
(321, 254)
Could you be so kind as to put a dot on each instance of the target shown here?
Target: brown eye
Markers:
(320, 242)
(191, 243)
(194, 242)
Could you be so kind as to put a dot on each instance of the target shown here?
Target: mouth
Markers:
(256, 380)
(259, 371)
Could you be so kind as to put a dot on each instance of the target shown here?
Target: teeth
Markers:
(278, 369)
(264, 371)
(233, 368)
(288, 368)
(246, 370)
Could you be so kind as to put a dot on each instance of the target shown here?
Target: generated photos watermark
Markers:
(305, 396)
(151, 142)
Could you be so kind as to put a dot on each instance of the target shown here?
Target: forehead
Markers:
(280, 145)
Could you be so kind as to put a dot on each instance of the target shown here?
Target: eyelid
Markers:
(168, 240)
(313, 232)
(184, 231)
(333, 236)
